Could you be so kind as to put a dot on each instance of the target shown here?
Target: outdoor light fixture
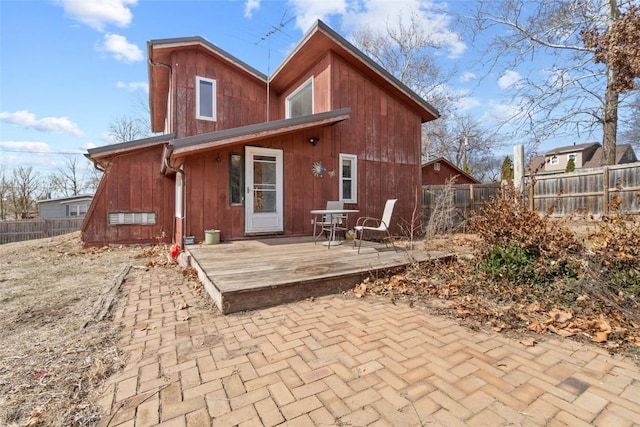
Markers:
(218, 159)
(314, 140)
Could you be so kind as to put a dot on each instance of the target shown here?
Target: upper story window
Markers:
(573, 156)
(349, 178)
(300, 102)
(436, 167)
(205, 99)
(554, 160)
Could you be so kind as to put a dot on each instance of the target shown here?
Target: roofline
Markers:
(570, 148)
(128, 145)
(443, 159)
(187, 144)
(61, 199)
(198, 40)
(357, 53)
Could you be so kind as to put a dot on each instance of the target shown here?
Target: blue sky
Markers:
(68, 68)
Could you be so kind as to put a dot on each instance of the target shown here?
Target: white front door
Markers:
(264, 198)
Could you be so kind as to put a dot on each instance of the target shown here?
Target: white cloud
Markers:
(25, 119)
(466, 103)
(436, 23)
(98, 13)
(121, 49)
(250, 6)
(308, 11)
(501, 113)
(28, 146)
(467, 77)
(508, 79)
(133, 86)
(108, 138)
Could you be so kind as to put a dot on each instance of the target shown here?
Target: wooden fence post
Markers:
(605, 190)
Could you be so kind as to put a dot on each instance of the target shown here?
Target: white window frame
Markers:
(354, 177)
(296, 92)
(436, 167)
(573, 156)
(555, 160)
(199, 116)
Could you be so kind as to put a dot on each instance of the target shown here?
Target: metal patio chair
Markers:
(376, 225)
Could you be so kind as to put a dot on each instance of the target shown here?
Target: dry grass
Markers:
(49, 362)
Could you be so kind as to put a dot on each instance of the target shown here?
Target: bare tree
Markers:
(24, 191)
(572, 95)
(631, 129)
(5, 193)
(67, 180)
(124, 128)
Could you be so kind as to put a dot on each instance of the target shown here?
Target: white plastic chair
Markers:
(379, 225)
(328, 223)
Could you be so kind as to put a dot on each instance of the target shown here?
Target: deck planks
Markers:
(252, 274)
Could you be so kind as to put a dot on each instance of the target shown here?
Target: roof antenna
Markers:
(267, 37)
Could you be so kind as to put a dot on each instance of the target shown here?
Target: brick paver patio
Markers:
(347, 362)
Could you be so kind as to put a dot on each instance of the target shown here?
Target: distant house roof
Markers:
(624, 154)
(452, 166)
(621, 151)
(571, 148)
(68, 199)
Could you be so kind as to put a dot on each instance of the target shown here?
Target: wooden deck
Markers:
(251, 274)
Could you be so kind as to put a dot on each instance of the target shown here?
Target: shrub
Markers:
(519, 243)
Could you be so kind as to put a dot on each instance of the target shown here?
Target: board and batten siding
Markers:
(240, 98)
(133, 184)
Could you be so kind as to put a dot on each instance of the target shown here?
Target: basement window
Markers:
(132, 218)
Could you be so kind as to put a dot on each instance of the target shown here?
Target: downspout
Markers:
(95, 164)
(178, 171)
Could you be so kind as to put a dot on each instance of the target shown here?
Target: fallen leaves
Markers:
(583, 313)
(528, 342)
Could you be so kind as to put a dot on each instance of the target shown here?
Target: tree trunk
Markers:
(610, 122)
(610, 119)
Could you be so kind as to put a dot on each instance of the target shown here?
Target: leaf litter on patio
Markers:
(586, 308)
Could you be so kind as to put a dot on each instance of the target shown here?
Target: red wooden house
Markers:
(251, 155)
(441, 170)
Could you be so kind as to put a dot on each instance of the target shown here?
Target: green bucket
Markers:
(211, 237)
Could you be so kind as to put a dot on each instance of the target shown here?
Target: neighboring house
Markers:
(438, 171)
(72, 206)
(251, 155)
(585, 156)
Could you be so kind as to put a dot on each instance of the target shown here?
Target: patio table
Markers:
(330, 214)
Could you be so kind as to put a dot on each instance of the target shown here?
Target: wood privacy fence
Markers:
(466, 198)
(17, 231)
(588, 191)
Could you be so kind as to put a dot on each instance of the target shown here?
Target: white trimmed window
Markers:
(205, 99)
(76, 210)
(573, 156)
(436, 167)
(300, 102)
(132, 218)
(554, 160)
(348, 178)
